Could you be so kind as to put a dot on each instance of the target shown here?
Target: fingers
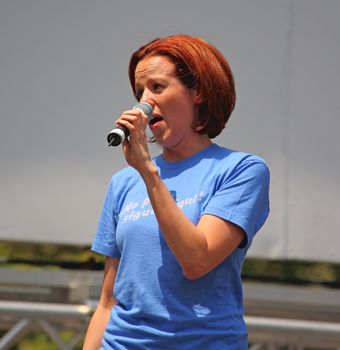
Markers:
(133, 120)
(135, 148)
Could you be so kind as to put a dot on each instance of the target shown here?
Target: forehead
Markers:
(153, 66)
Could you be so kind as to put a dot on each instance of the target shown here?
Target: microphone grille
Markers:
(145, 107)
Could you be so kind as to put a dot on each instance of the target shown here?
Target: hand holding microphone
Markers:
(120, 133)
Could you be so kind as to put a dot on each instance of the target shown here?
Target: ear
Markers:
(197, 96)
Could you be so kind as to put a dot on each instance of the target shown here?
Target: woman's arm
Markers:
(100, 318)
(198, 248)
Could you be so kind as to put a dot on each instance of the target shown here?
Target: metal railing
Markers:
(20, 318)
(278, 317)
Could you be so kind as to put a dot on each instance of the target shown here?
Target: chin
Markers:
(162, 141)
(168, 140)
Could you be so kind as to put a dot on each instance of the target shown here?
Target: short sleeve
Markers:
(243, 197)
(105, 240)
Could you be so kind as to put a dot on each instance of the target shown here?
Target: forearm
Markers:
(100, 318)
(186, 240)
(96, 328)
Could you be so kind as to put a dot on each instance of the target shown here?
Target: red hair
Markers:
(201, 66)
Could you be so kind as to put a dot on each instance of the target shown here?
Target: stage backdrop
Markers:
(63, 81)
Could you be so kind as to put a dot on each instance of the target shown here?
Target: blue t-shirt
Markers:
(157, 306)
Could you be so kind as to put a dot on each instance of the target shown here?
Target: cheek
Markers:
(179, 126)
(183, 115)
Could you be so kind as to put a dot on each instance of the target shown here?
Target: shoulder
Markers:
(123, 180)
(124, 176)
(229, 161)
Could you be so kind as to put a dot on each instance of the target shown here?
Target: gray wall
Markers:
(63, 80)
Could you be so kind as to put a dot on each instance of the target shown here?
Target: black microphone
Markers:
(120, 132)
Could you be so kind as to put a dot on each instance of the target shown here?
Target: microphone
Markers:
(120, 133)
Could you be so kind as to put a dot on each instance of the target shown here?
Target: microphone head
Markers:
(144, 107)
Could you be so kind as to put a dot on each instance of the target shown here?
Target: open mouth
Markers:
(155, 119)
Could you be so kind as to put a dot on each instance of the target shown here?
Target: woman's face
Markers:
(174, 104)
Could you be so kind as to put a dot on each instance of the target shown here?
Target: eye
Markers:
(157, 86)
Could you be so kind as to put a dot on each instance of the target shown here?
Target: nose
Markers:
(147, 96)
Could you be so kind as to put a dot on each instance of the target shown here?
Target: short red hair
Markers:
(201, 66)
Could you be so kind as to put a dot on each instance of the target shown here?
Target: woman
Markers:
(175, 229)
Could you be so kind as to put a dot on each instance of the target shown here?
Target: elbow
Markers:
(191, 276)
(195, 272)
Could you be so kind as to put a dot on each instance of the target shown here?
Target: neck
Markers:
(178, 153)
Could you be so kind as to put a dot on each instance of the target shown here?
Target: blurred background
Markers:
(63, 82)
